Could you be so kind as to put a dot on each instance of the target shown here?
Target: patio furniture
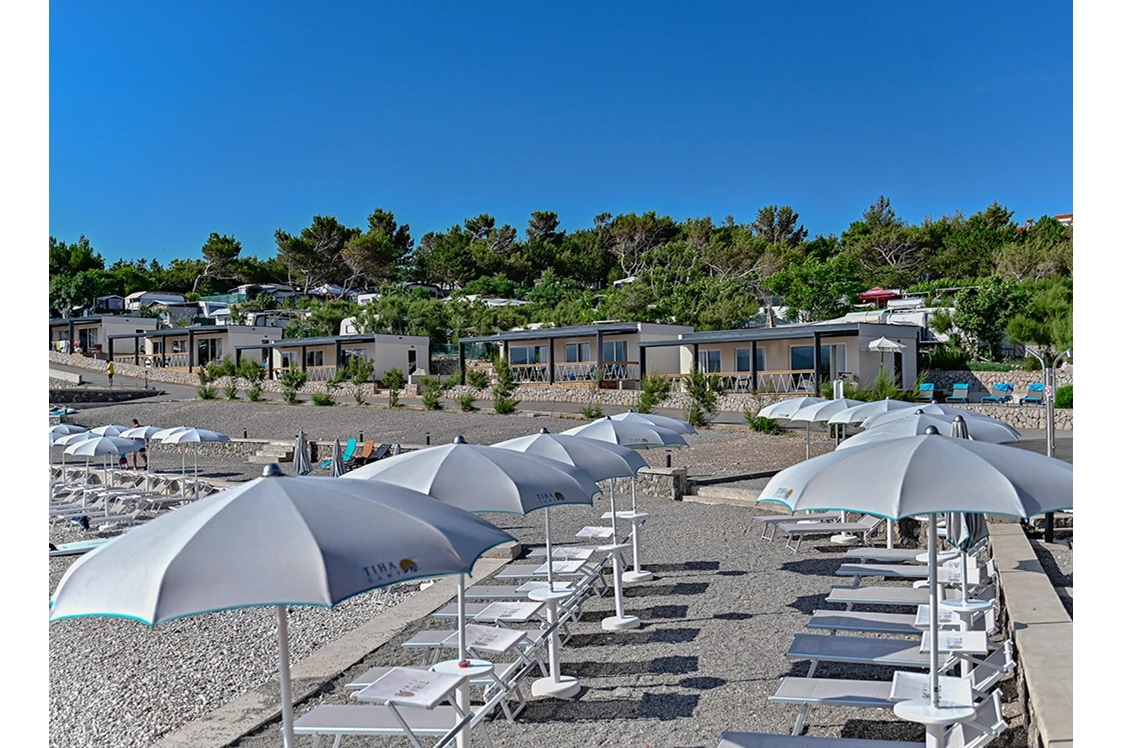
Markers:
(348, 454)
(798, 531)
(927, 393)
(1034, 395)
(959, 392)
(770, 521)
(1007, 394)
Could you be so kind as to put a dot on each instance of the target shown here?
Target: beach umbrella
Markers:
(65, 429)
(884, 345)
(786, 408)
(819, 411)
(141, 432)
(301, 464)
(337, 469)
(862, 411)
(109, 430)
(927, 474)
(477, 478)
(165, 433)
(65, 440)
(916, 424)
(965, 530)
(932, 409)
(666, 422)
(274, 541)
(101, 446)
(196, 437)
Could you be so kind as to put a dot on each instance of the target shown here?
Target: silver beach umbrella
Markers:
(302, 465)
(914, 425)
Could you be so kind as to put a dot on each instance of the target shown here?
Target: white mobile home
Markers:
(320, 357)
(90, 335)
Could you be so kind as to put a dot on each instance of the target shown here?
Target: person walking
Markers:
(143, 450)
(109, 372)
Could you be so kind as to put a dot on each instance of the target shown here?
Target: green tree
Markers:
(254, 374)
(315, 255)
(291, 382)
(393, 380)
(1045, 323)
(220, 252)
(654, 389)
(982, 314)
(359, 371)
(431, 391)
(816, 289)
(376, 255)
(1042, 251)
(703, 391)
(502, 392)
(65, 258)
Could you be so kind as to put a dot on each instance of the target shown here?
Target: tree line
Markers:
(712, 275)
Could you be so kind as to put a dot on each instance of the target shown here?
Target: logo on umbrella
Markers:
(381, 572)
(781, 493)
(408, 566)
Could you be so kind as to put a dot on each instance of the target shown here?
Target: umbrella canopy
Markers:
(599, 459)
(274, 541)
(885, 345)
(862, 411)
(934, 409)
(786, 408)
(822, 411)
(164, 434)
(194, 436)
(671, 424)
(915, 475)
(300, 462)
(484, 479)
(65, 440)
(915, 425)
(109, 430)
(628, 434)
(65, 429)
(141, 432)
(337, 469)
(103, 445)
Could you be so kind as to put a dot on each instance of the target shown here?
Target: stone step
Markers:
(265, 459)
(276, 448)
(721, 493)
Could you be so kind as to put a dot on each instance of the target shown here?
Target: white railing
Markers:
(766, 381)
(320, 373)
(172, 361)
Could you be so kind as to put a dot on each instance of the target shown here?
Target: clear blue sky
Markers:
(170, 121)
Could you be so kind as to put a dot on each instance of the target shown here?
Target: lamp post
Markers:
(1050, 430)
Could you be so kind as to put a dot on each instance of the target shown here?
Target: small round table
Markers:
(637, 574)
(556, 685)
(934, 718)
(618, 622)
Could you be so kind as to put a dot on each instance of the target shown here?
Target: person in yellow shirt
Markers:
(109, 373)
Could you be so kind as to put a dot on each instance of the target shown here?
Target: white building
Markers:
(134, 302)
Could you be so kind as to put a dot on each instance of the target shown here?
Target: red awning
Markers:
(878, 294)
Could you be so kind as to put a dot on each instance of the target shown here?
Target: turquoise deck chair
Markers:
(348, 453)
(1034, 396)
(1007, 390)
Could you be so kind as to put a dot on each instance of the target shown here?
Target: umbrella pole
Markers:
(809, 440)
(933, 614)
(182, 473)
(634, 507)
(612, 506)
(286, 682)
(461, 616)
(195, 485)
(549, 555)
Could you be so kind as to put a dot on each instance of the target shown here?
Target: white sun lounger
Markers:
(767, 740)
(770, 521)
(901, 624)
(797, 531)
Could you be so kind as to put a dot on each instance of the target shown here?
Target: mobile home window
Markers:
(314, 358)
(616, 351)
(528, 354)
(577, 352)
(743, 356)
(711, 361)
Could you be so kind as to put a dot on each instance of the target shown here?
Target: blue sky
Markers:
(168, 122)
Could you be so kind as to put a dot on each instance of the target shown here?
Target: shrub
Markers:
(592, 412)
(467, 402)
(703, 392)
(478, 378)
(322, 398)
(654, 389)
(206, 376)
(502, 393)
(358, 371)
(947, 358)
(207, 393)
(291, 381)
(762, 425)
(394, 380)
(1064, 396)
(253, 392)
(254, 374)
(988, 366)
(431, 392)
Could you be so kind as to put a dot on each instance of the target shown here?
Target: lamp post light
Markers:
(1050, 429)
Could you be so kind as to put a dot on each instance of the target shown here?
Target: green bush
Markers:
(988, 366)
(254, 374)
(253, 392)
(502, 393)
(592, 412)
(394, 380)
(207, 392)
(703, 391)
(358, 371)
(322, 398)
(762, 425)
(291, 381)
(654, 389)
(1064, 397)
(467, 402)
(431, 392)
(946, 358)
(478, 379)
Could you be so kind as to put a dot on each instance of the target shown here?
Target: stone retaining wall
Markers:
(982, 382)
(81, 395)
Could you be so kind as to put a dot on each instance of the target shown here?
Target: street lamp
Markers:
(1050, 430)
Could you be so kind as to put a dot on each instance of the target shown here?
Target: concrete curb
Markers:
(1042, 633)
(261, 704)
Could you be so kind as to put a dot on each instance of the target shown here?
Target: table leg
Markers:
(637, 574)
(556, 685)
(619, 622)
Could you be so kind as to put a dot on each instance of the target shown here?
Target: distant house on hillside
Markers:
(136, 301)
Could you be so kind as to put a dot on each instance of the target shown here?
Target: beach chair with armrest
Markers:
(959, 392)
(383, 450)
(770, 521)
(348, 453)
(927, 393)
(797, 531)
(1006, 394)
(363, 454)
(1034, 395)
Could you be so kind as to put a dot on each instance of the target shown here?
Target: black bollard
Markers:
(668, 458)
(245, 434)
(360, 436)
(426, 438)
